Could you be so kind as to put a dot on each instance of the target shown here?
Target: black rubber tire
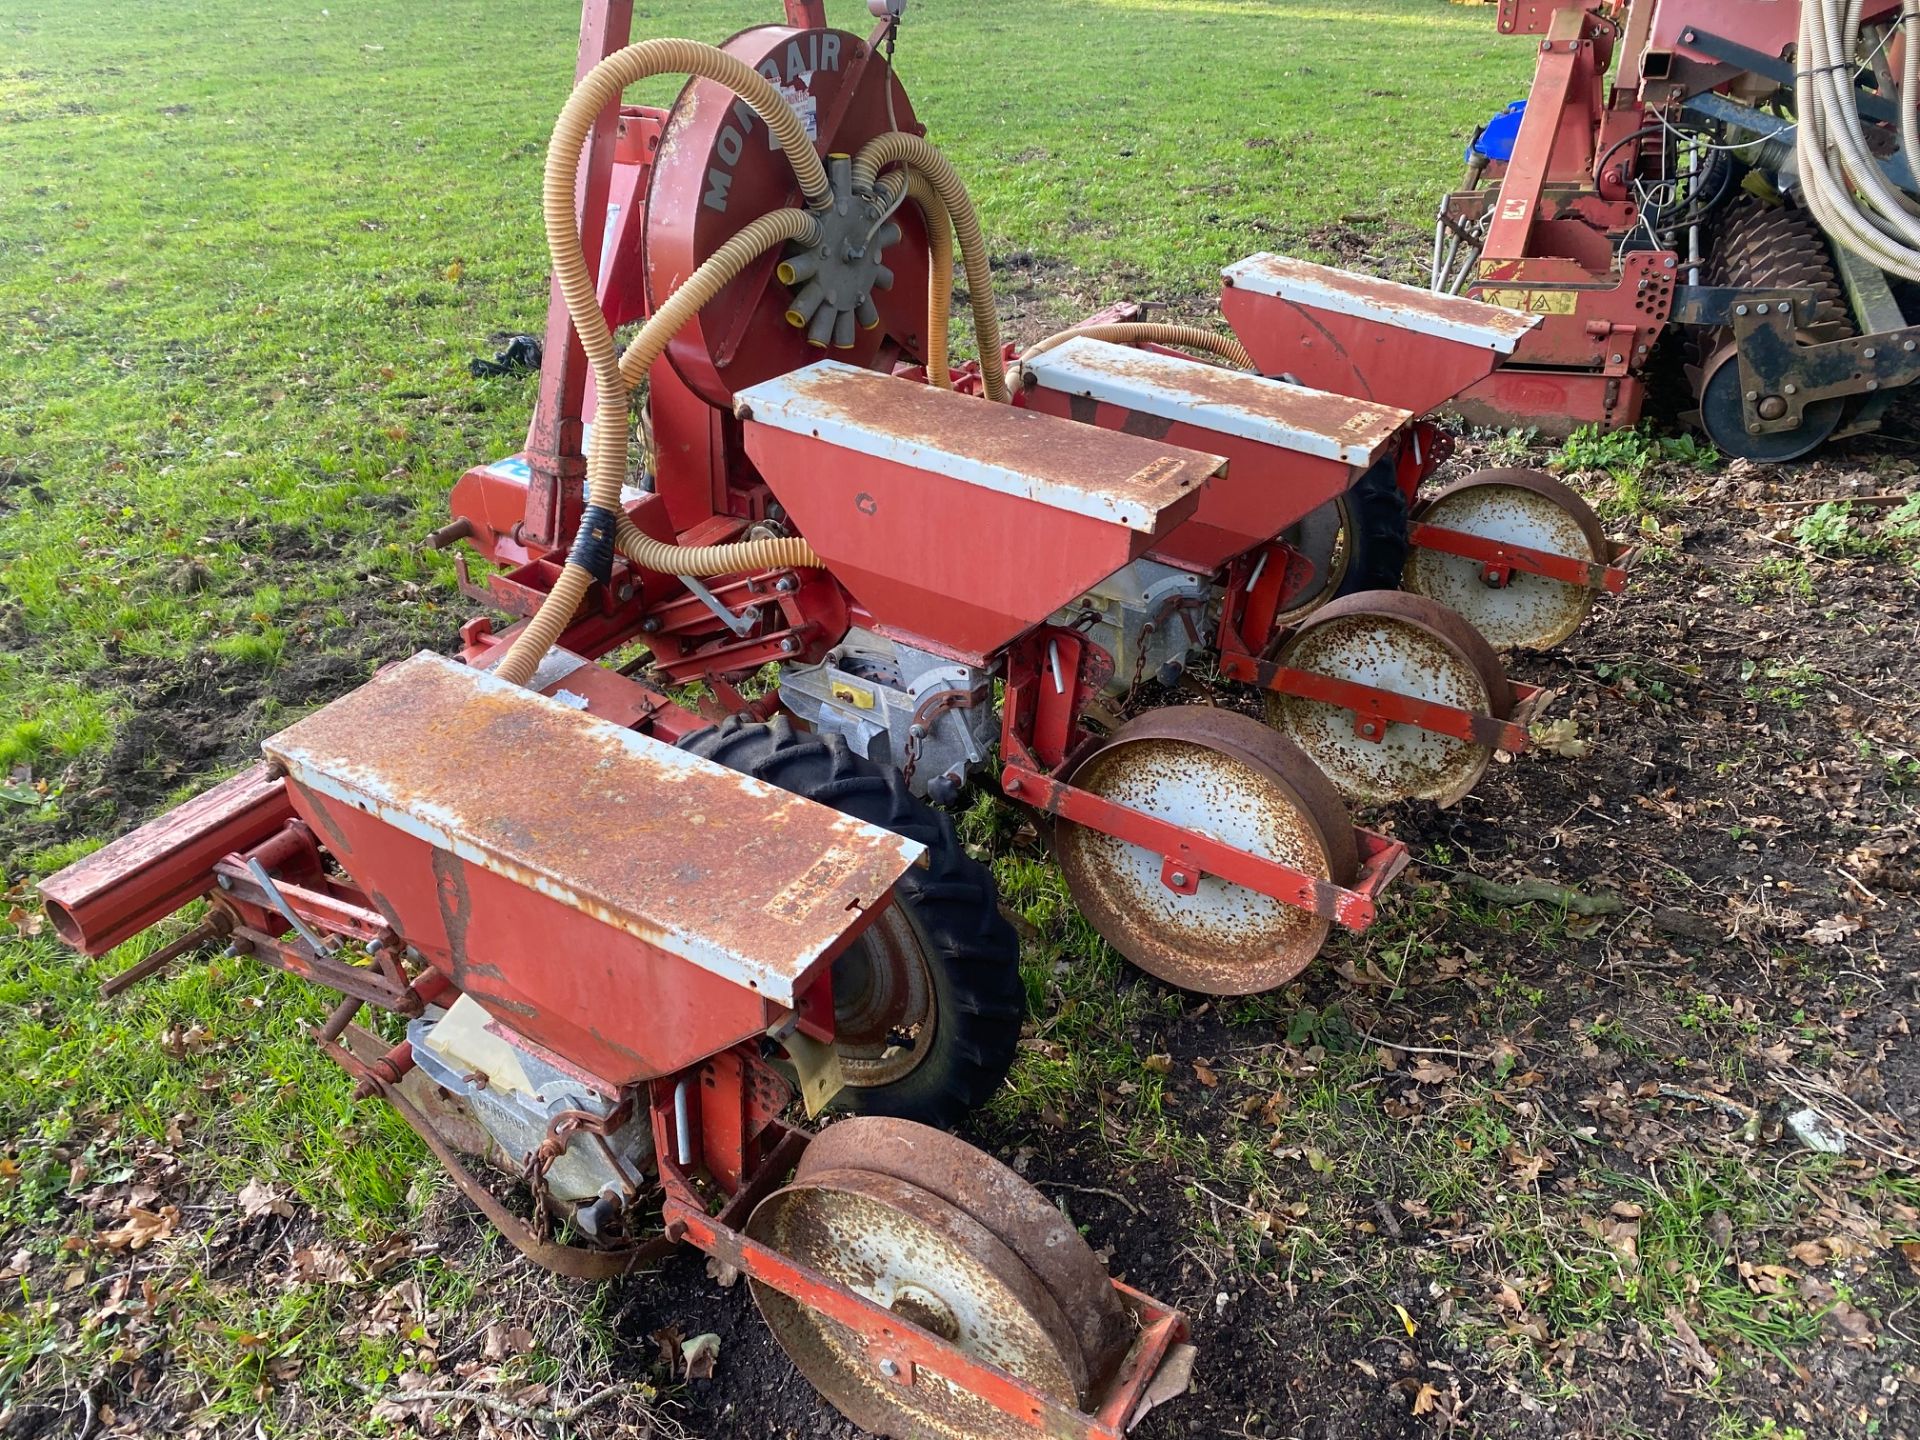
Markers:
(973, 952)
(1377, 542)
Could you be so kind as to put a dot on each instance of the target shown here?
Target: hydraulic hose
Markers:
(898, 147)
(1845, 187)
(606, 526)
(939, 271)
(1147, 332)
(1910, 85)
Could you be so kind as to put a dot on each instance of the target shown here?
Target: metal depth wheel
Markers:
(1768, 247)
(1409, 645)
(885, 1003)
(1020, 1216)
(901, 1229)
(1519, 507)
(1723, 417)
(1234, 779)
(927, 1003)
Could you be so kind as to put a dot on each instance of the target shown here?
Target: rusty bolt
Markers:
(625, 593)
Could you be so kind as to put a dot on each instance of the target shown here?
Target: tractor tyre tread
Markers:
(979, 998)
(1377, 532)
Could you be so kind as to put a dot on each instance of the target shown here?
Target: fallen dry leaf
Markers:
(258, 1198)
(667, 1340)
(1830, 931)
(142, 1228)
(321, 1265)
(699, 1355)
(501, 1341)
(1205, 1075)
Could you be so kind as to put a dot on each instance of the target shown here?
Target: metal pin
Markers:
(682, 1125)
(279, 902)
(1053, 660)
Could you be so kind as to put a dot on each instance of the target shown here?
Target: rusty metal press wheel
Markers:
(1519, 507)
(953, 1242)
(1409, 645)
(1230, 777)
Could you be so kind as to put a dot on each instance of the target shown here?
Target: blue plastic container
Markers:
(1495, 141)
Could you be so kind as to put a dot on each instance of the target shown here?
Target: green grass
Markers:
(1639, 463)
(246, 249)
(245, 252)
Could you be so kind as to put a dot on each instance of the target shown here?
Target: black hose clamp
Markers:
(593, 546)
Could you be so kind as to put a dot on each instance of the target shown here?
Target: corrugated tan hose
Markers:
(898, 147)
(939, 270)
(714, 275)
(606, 524)
(1148, 332)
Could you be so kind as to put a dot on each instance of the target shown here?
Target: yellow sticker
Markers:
(1533, 302)
(853, 695)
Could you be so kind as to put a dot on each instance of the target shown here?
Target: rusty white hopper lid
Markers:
(1233, 402)
(1449, 317)
(1123, 479)
(734, 876)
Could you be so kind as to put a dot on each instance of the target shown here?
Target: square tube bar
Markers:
(890, 1337)
(1379, 708)
(1497, 554)
(1351, 908)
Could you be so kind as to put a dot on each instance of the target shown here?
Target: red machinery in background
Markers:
(1714, 187)
(624, 937)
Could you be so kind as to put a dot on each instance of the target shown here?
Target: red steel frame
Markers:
(1502, 558)
(741, 1151)
(1041, 739)
(1551, 238)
